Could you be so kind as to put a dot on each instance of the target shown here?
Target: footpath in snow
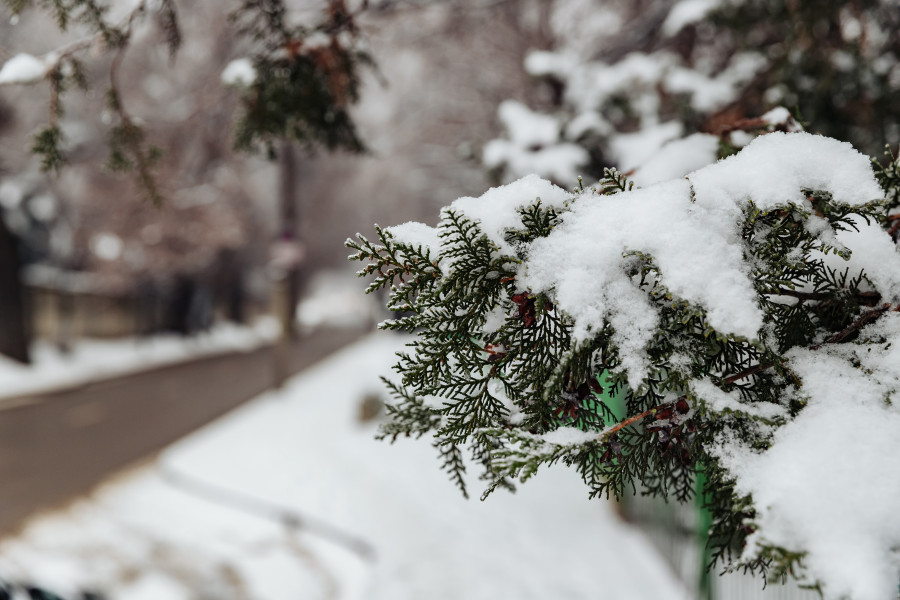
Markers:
(93, 359)
(146, 536)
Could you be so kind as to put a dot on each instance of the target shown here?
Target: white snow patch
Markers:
(687, 12)
(526, 127)
(542, 63)
(598, 81)
(720, 401)
(496, 209)
(589, 122)
(416, 235)
(709, 92)
(11, 194)
(23, 68)
(774, 169)
(631, 150)
(677, 158)
(565, 436)
(560, 162)
(780, 116)
(334, 299)
(698, 252)
(494, 319)
(874, 253)
(533, 146)
(44, 207)
(498, 391)
(694, 240)
(240, 72)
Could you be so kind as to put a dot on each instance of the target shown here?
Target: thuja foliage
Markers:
(307, 78)
(494, 370)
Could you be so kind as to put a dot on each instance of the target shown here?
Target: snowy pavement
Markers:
(145, 536)
(95, 359)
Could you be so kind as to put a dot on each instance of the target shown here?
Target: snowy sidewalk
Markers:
(59, 443)
(139, 537)
(92, 360)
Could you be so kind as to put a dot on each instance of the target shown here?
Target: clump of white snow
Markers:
(699, 254)
(560, 162)
(781, 117)
(239, 72)
(533, 146)
(526, 127)
(497, 209)
(565, 436)
(687, 12)
(720, 402)
(631, 150)
(541, 63)
(710, 91)
(23, 68)
(677, 158)
(416, 235)
(774, 169)
(107, 246)
(690, 229)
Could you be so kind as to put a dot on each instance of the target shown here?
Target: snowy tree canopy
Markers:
(748, 314)
(625, 77)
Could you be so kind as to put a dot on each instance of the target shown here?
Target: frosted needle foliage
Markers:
(745, 314)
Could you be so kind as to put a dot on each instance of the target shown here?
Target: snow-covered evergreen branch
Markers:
(747, 316)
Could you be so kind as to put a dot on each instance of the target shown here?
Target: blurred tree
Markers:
(668, 69)
(296, 81)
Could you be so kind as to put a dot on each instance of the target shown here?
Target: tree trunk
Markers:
(289, 233)
(14, 327)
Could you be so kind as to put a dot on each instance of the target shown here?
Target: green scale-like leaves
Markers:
(494, 369)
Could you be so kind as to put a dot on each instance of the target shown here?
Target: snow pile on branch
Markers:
(534, 146)
(690, 229)
(677, 158)
(23, 68)
(594, 89)
(830, 481)
(497, 209)
(776, 170)
(239, 72)
(687, 13)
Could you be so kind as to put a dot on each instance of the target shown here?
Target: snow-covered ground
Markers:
(335, 299)
(91, 359)
(145, 535)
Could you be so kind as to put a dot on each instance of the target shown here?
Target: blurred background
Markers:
(126, 323)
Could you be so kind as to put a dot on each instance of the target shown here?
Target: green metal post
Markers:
(704, 522)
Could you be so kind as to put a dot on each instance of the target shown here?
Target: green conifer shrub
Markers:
(733, 310)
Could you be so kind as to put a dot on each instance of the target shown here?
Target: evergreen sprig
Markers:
(495, 369)
(303, 87)
(888, 176)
